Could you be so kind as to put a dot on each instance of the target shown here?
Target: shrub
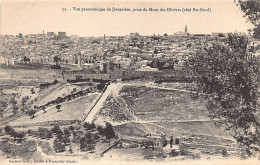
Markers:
(8, 129)
(89, 126)
(56, 129)
(58, 146)
(100, 130)
(71, 128)
(224, 152)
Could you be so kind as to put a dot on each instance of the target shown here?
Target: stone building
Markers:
(158, 140)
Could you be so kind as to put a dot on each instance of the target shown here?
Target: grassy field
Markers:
(73, 110)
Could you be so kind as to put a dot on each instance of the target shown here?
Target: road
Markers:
(111, 89)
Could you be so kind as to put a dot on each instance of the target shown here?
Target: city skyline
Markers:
(224, 17)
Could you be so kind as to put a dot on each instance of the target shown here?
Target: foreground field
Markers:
(140, 110)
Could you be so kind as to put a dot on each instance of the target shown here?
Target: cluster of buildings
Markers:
(104, 54)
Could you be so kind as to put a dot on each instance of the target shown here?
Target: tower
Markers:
(79, 60)
(104, 38)
(186, 29)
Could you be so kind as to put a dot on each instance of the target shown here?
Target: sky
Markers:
(32, 17)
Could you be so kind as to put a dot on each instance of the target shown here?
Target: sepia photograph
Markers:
(130, 82)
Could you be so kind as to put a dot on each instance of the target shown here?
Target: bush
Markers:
(58, 146)
(49, 134)
(100, 130)
(89, 126)
(8, 129)
(183, 150)
(30, 132)
(96, 136)
(56, 129)
(55, 67)
(224, 152)
(90, 147)
(71, 128)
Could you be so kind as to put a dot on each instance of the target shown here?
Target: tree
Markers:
(15, 111)
(66, 140)
(58, 146)
(227, 76)
(56, 59)
(251, 8)
(32, 91)
(56, 129)
(44, 109)
(30, 132)
(171, 142)
(13, 102)
(89, 138)
(83, 143)
(70, 150)
(8, 129)
(71, 128)
(60, 137)
(89, 126)
(31, 113)
(165, 143)
(109, 132)
(48, 134)
(90, 147)
(13, 133)
(224, 152)
(24, 100)
(42, 132)
(58, 108)
(100, 130)
(26, 59)
(20, 135)
(66, 132)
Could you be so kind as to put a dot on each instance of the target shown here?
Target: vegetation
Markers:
(56, 129)
(58, 108)
(171, 142)
(56, 59)
(10, 131)
(86, 142)
(26, 59)
(26, 149)
(58, 146)
(49, 84)
(251, 8)
(228, 78)
(31, 113)
(89, 126)
(109, 132)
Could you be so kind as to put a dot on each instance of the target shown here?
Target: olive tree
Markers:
(228, 75)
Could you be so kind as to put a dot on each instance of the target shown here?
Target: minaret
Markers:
(186, 29)
(79, 60)
(104, 38)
